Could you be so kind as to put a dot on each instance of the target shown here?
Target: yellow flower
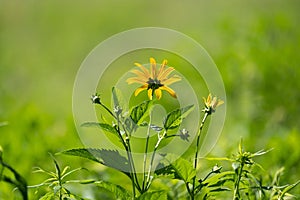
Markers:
(154, 80)
(211, 104)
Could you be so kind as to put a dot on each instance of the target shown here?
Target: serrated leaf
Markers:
(118, 191)
(103, 126)
(140, 112)
(155, 195)
(181, 168)
(110, 158)
(174, 118)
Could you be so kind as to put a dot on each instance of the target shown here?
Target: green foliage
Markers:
(103, 126)
(18, 181)
(257, 55)
(179, 167)
(139, 113)
(110, 158)
(116, 190)
(57, 181)
(118, 99)
(155, 195)
(174, 118)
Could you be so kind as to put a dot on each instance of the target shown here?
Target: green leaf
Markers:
(219, 179)
(110, 158)
(155, 195)
(181, 168)
(103, 126)
(118, 100)
(288, 188)
(140, 112)
(47, 196)
(118, 191)
(174, 118)
(19, 181)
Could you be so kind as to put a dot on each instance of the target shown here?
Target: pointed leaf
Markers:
(118, 99)
(47, 196)
(181, 168)
(109, 158)
(118, 191)
(103, 126)
(155, 195)
(174, 118)
(140, 112)
(288, 188)
(19, 181)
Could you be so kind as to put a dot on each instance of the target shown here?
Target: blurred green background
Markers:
(255, 45)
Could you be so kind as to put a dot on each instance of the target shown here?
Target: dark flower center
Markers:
(154, 84)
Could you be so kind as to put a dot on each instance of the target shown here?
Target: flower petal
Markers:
(135, 80)
(153, 68)
(137, 91)
(158, 93)
(164, 74)
(171, 80)
(169, 90)
(145, 70)
(150, 93)
(162, 68)
(140, 75)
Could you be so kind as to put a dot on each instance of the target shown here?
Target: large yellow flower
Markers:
(154, 80)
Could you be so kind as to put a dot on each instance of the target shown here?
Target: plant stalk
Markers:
(160, 138)
(192, 193)
(145, 157)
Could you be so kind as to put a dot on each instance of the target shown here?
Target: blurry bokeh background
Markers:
(255, 45)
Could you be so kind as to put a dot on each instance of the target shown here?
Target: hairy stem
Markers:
(126, 144)
(145, 157)
(160, 138)
(196, 154)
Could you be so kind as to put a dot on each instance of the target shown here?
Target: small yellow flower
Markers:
(211, 104)
(154, 80)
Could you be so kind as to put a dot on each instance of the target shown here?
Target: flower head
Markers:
(96, 99)
(154, 80)
(211, 104)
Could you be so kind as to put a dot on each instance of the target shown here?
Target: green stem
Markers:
(196, 153)
(236, 194)
(160, 138)
(145, 156)
(126, 144)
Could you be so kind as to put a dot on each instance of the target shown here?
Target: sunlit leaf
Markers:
(110, 158)
(140, 112)
(174, 118)
(118, 191)
(288, 188)
(181, 168)
(103, 126)
(155, 195)
(47, 196)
